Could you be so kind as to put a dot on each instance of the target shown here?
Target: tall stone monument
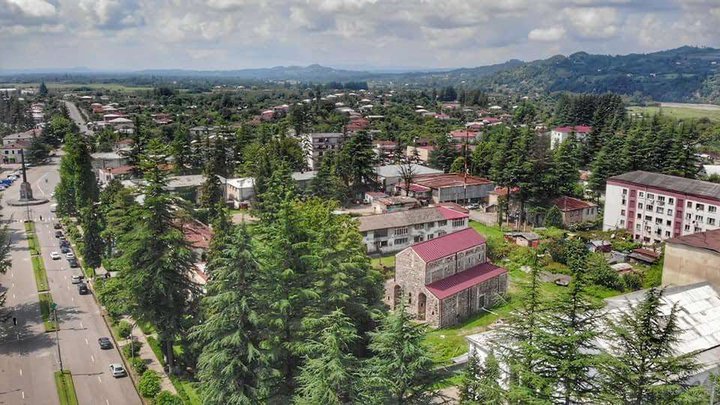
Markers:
(25, 189)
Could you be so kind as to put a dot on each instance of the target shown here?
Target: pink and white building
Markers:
(560, 134)
(654, 207)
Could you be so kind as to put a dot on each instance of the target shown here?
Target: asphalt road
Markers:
(27, 365)
(77, 117)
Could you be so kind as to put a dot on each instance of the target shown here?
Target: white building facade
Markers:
(561, 134)
(654, 207)
(317, 144)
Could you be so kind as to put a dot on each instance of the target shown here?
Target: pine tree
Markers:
(361, 159)
(329, 374)
(93, 244)
(38, 152)
(43, 90)
(566, 162)
(553, 217)
(400, 370)
(481, 383)
(443, 155)
(231, 364)
(643, 366)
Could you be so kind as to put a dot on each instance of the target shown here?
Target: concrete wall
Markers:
(455, 308)
(687, 265)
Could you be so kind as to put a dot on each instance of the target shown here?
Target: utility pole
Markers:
(53, 306)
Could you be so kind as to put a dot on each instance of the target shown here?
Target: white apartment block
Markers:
(395, 231)
(654, 207)
(317, 144)
(561, 134)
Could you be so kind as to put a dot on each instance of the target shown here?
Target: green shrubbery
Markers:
(132, 350)
(149, 384)
(167, 398)
(138, 364)
(124, 329)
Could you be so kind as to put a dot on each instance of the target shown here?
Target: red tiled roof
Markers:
(447, 245)
(120, 169)
(197, 234)
(451, 214)
(566, 203)
(454, 206)
(502, 191)
(464, 280)
(579, 129)
(709, 240)
(416, 188)
(462, 133)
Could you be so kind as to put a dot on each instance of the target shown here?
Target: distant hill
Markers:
(314, 73)
(683, 74)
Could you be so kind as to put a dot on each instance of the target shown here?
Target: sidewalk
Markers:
(147, 354)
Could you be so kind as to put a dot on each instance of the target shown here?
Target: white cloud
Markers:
(550, 34)
(593, 22)
(34, 8)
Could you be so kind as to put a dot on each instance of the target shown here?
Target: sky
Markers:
(365, 34)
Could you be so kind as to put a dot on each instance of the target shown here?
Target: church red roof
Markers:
(447, 245)
(464, 280)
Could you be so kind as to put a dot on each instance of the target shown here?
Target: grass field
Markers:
(679, 112)
(491, 232)
(41, 280)
(65, 388)
(45, 302)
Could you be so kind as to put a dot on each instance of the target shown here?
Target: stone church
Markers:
(446, 279)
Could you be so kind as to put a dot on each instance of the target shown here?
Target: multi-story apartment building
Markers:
(655, 207)
(317, 144)
(394, 231)
(560, 134)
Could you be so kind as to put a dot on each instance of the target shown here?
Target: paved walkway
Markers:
(148, 355)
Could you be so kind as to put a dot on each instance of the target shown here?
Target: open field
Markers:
(681, 111)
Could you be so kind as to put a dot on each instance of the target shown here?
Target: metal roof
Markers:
(671, 183)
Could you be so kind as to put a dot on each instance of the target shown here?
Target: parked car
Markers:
(64, 249)
(70, 255)
(117, 370)
(64, 242)
(105, 343)
(77, 279)
(58, 234)
(57, 225)
(83, 289)
(473, 206)
(55, 255)
(53, 208)
(73, 263)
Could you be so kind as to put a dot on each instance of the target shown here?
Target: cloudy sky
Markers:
(233, 34)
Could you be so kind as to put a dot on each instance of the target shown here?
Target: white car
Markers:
(117, 370)
(55, 255)
(70, 255)
(76, 279)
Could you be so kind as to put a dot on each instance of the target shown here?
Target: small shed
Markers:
(622, 268)
(645, 256)
(599, 246)
(527, 239)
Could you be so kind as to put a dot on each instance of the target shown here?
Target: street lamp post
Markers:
(53, 306)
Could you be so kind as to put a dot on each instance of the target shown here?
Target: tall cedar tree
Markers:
(326, 184)
(400, 370)
(357, 162)
(481, 383)
(553, 217)
(330, 373)
(566, 338)
(443, 154)
(566, 162)
(156, 261)
(231, 363)
(93, 243)
(643, 366)
(77, 188)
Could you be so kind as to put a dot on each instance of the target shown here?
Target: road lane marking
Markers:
(99, 380)
(81, 325)
(20, 371)
(13, 296)
(107, 402)
(72, 298)
(92, 358)
(86, 341)
(12, 275)
(23, 394)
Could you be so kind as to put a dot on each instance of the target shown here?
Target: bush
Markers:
(138, 365)
(132, 350)
(124, 329)
(149, 384)
(167, 398)
(632, 281)
(602, 274)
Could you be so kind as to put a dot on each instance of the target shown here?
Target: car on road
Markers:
(73, 263)
(57, 225)
(105, 343)
(77, 278)
(58, 234)
(55, 255)
(70, 255)
(83, 289)
(117, 370)
(64, 249)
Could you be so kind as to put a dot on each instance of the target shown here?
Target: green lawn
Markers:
(678, 112)
(387, 261)
(65, 388)
(491, 232)
(47, 317)
(187, 390)
(41, 280)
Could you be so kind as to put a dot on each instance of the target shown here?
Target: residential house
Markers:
(692, 259)
(372, 196)
(419, 152)
(12, 153)
(25, 137)
(655, 207)
(599, 246)
(390, 176)
(385, 150)
(198, 236)
(105, 160)
(575, 211)
(560, 134)
(239, 190)
(107, 174)
(394, 231)
(527, 239)
(393, 204)
(464, 135)
(446, 279)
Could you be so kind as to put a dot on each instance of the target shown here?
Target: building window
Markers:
(458, 222)
(442, 223)
(711, 221)
(401, 241)
(648, 218)
(622, 222)
(669, 211)
(660, 210)
(668, 222)
(699, 218)
(689, 204)
(637, 227)
(622, 212)
(671, 200)
(712, 208)
(639, 215)
(640, 206)
(641, 194)
(700, 207)
(401, 231)
(667, 234)
(658, 221)
(419, 227)
(418, 238)
(650, 208)
(661, 198)
(430, 236)
(383, 243)
(687, 227)
(624, 191)
(650, 196)
(688, 216)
